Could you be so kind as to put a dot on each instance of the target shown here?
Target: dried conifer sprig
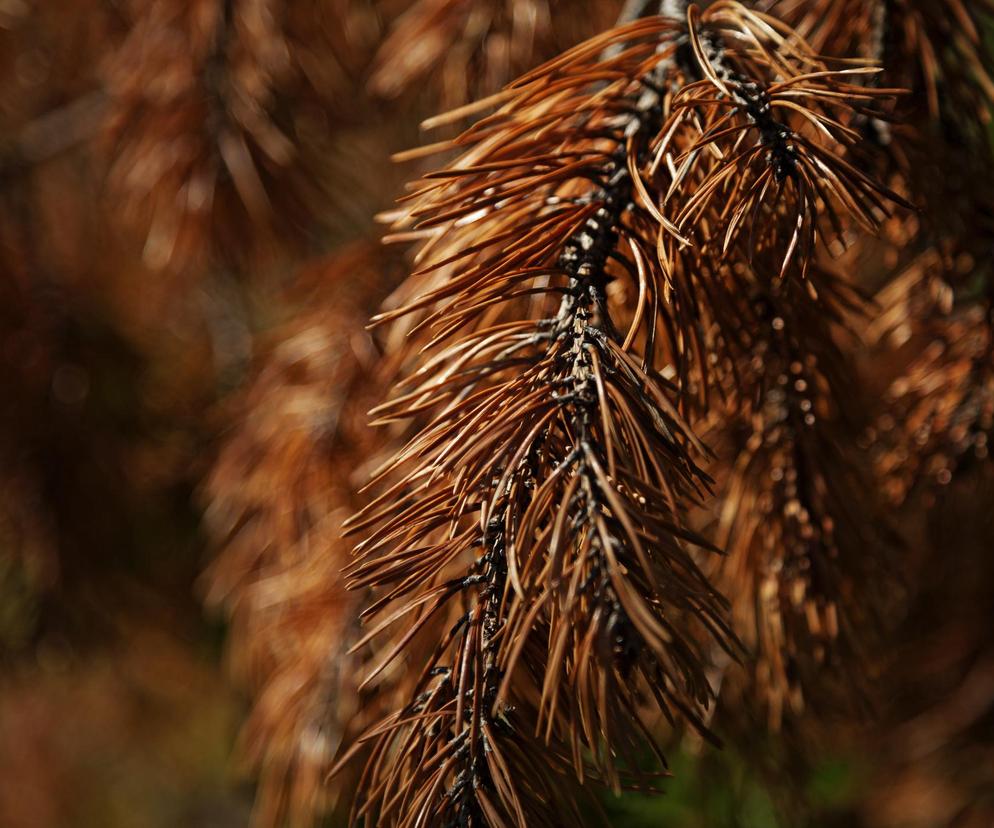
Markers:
(754, 111)
(806, 536)
(547, 484)
(464, 49)
(454, 755)
(936, 46)
(483, 43)
(755, 159)
(938, 413)
(534, 523)
(935, 315)
(212, 102)
(276, 498)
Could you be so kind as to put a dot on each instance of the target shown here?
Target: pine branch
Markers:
(545, 429)
(545, 488)
(810, 549)
(935, 311)
(464, 49)
(752, 159)
(210, 129)
(936, 47)
(275, 501)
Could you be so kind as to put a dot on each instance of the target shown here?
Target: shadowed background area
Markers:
(189, 256)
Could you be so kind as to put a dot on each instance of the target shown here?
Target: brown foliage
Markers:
(935, 47)
(202, 137)
(538, 513)
(806, 535)
(645, 421)
(470, 48)
(276, 499)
